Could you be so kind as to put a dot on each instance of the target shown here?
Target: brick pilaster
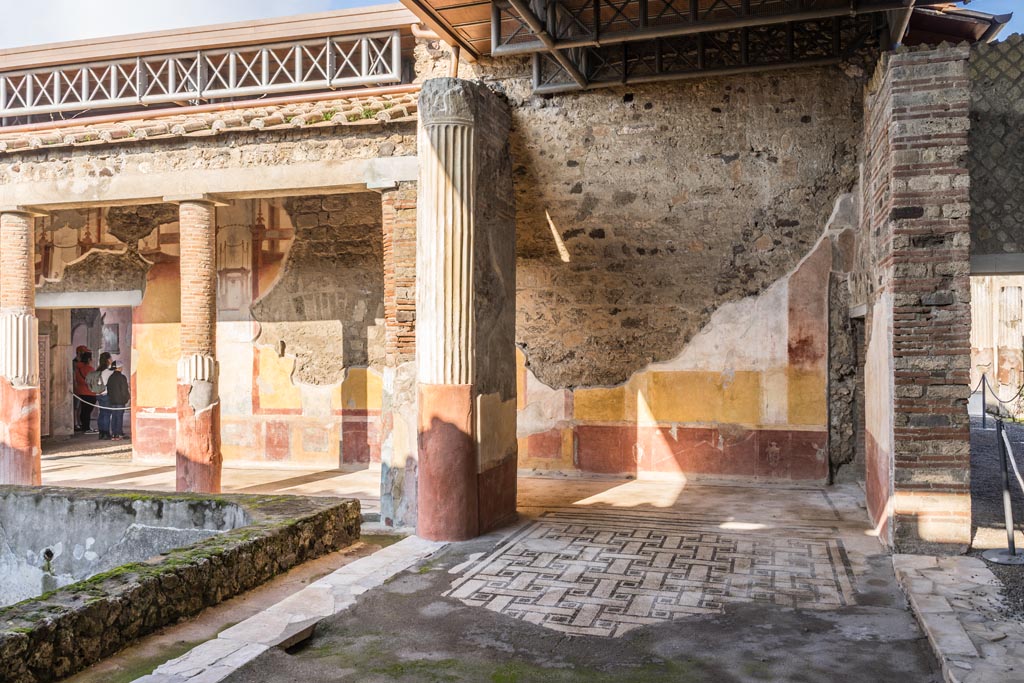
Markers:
(918, 219)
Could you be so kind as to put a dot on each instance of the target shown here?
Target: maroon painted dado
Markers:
(448, 498)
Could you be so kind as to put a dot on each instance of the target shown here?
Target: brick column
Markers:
(398, 415)
(197, 440)
(918, 360)
(465, 312)
(19, 352)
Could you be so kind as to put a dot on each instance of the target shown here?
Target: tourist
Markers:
(118, 396)
(85, 396)
(98, 384)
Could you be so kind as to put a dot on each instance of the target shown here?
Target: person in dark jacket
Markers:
(118, 397)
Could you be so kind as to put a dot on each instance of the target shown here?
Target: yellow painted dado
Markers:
(362, 390)
(495, 428)
(520, 379)
(807, 400)
(155, 364)
(275, 387)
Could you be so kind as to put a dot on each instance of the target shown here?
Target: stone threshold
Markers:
(293, 619)
(958, 602)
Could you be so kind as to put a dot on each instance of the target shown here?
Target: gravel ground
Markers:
(987, 500)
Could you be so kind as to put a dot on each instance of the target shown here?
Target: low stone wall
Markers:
(61, 632)
(50, 540)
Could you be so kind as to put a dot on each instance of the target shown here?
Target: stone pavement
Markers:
(84, 462)
(621, 581)
(958, 602)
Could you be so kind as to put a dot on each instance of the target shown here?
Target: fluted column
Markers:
(445, 226)
(197, 439)
(19, 352)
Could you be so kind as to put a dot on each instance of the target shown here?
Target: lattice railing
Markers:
(250, 70)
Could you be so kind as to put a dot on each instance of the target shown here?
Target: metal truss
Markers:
(580, 44)
(250, 70)
(758, 48)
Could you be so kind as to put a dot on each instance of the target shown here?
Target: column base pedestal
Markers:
(197, 446)
(447, 496)
(20, 449)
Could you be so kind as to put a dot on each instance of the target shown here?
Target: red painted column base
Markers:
(447, 490)
(197, 446)
(20, 448)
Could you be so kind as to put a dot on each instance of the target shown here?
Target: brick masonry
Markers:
(198, 279)
(399, 227)
(916, 220)
(17, 256)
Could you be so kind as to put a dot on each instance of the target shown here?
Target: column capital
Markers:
(447, 101)
(19, 347)
(200, 197)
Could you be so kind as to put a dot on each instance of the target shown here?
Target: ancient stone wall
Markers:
(98, 172)
(641, 213)
(326, 303)
(996, 146)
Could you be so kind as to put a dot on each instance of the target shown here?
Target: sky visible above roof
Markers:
(1016, 25)
(50, 21)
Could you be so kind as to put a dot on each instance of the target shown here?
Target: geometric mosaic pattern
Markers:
(605, 572)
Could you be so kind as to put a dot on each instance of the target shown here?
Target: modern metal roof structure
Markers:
(581, 44)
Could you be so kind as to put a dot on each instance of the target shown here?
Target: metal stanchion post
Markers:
(984, 403)
(1009, 555)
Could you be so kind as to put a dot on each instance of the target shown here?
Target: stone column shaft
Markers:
(198, 428)
(448, 500)
(19, 353)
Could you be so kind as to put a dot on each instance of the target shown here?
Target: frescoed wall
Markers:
(300, 321)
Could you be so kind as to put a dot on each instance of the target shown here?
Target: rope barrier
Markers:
(96, 405)
(984, 380)
(996, 397)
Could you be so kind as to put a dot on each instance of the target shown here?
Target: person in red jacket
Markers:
(85, 396)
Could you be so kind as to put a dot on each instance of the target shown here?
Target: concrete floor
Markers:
(645, 581)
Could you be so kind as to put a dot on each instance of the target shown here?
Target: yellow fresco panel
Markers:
(600, 404)
(807, 401)
(741, 398)
(694, 396)
(275, 386)
(362, 390)
(155, 364)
